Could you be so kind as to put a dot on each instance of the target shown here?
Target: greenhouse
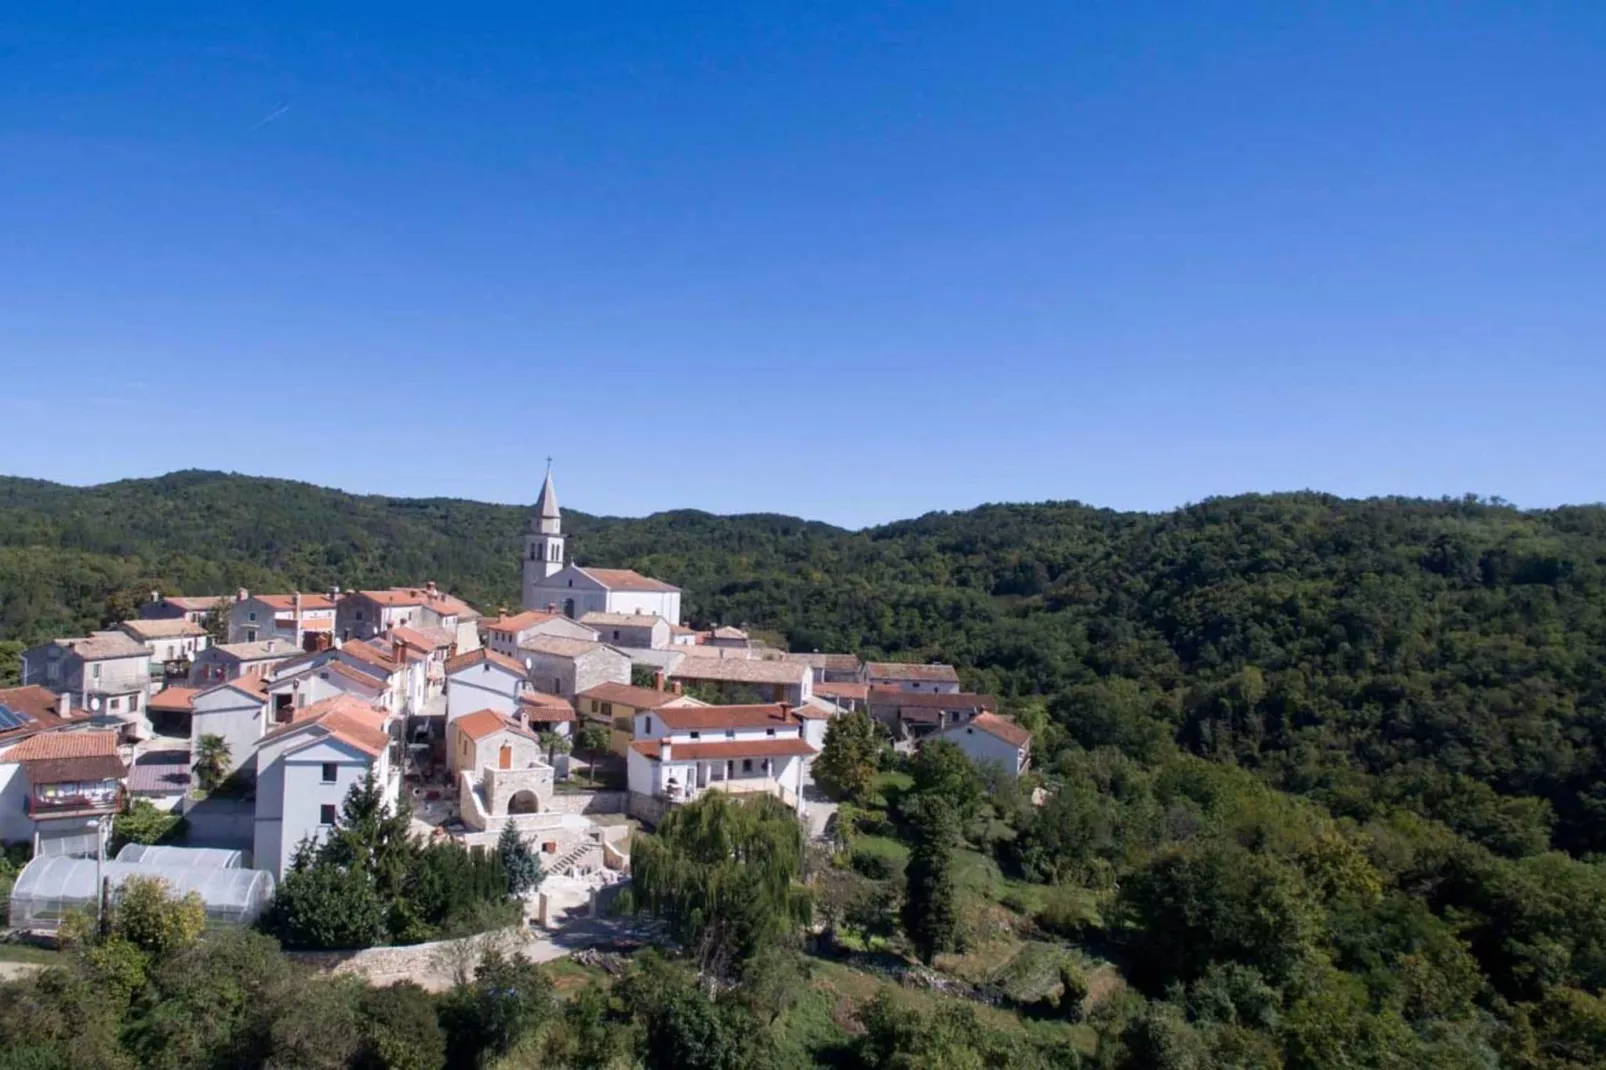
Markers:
(209, 857)
(49, 887)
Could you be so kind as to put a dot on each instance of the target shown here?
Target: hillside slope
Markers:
(1340, 647)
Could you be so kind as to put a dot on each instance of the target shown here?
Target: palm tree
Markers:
(212, 759)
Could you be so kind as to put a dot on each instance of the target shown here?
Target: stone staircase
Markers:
(576, 853)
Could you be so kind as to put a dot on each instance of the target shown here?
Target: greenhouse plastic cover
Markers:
(212, 857)
(48, 886)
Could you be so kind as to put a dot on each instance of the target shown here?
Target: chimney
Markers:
(241, 595)
(296, 604)
(156, 596)
(271, 644)
(658, 680)
(396, 651)
(675, 687)
(432, 590)
(663, 750)
(552, 607)
(64, 705)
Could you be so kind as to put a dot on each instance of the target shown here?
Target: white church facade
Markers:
(552, 584)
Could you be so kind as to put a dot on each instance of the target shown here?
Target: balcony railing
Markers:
(52, 800)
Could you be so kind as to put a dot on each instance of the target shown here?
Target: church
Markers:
(549, 583)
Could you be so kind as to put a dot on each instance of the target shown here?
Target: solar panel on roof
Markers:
(10, 718)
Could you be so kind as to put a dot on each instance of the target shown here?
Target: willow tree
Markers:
(723, 874)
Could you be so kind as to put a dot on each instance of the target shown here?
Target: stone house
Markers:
(908, 676)
(305, 621)
(506, 634)
(106, 673)
(566, 667)
(630, 629)
(501, 772)
(747, 679)
(228, 661)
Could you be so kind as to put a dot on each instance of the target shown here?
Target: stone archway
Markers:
(524, 802)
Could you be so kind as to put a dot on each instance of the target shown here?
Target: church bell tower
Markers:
(543, 544)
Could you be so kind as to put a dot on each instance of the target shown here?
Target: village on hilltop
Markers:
(592, 711)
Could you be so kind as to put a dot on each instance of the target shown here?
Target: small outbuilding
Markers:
(50, 886)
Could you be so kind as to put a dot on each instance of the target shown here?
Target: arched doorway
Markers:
(523, 802)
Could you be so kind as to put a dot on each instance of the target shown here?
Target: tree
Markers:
(723, 873)
(593, 739)
(931, 900)
(554, 745)
(213, 756)
(326, 906)
(148, 916)
(399, 1029)
(509, 1001)
(144, 823)
(524, 871)
(846, 765)
(941, 768)
(216, 623)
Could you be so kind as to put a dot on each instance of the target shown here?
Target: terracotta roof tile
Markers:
(50, 746)
(752, 748)
(699, 718)
(994, 725)
(560, 646)
(828, 689)
(642, 698)
(483, 654)
(174, 699)
(928, 700)
(163, 628)
(482, 723)
(902, 670)
(287, 602)
(742, 671)
(520, 621)
(625, 579)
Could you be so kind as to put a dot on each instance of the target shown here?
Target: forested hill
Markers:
(1429, 649)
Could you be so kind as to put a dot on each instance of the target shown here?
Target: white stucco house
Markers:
(909, 676)
(226, 661)
(306, 768)
(680, 752)
(366, 614)
(483, 680)
(236, 711)
(172, 642)
(506, 634)
(305, 621)
(989, 740)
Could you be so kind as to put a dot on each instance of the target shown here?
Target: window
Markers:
(94, 672)
(359, 614)
(326, 814)
(647, 725)
(747, 765)
(250, 635)
(730, 733)
(133, 703)
(697, 735)
(116, 704)
(557, 686)
(607, 709)
(770, 732)
(251, 615)
(331, 772)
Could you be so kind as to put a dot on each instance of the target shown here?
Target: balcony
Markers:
(75, 799)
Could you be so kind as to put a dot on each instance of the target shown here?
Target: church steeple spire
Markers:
(548, 520)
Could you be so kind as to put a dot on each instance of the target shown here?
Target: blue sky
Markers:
(853, 261)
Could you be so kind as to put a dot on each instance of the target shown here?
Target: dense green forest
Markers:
(1326, 778)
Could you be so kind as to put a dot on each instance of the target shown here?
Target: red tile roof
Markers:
(287, 602)
(345, 717)
(698, 718)
(542, 708)
(483, 654)
(850, 691)
(741, 671)
(520, 621)
(174, 699)
(994, 725)
(900, 670)
(625, 579)
(50, 746)
(482, 723)
(930, 700)
(642, 698)
(752, 748)
(39, 703)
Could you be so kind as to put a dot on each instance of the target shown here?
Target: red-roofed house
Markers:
(306, 621)
(500, 770)
(53, 784)
(483, 679)
(306, 768)
(988, 739)
(679, 752)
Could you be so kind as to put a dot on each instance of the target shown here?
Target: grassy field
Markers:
(44, 956)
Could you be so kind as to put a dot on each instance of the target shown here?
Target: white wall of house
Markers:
(239, 718)
(486, 686)
(652, 634)
(984, 748)
(561, 627)
(15, 824)
(295, 783)
(665, 604)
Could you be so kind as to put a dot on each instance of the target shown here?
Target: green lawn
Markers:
(29, 953)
